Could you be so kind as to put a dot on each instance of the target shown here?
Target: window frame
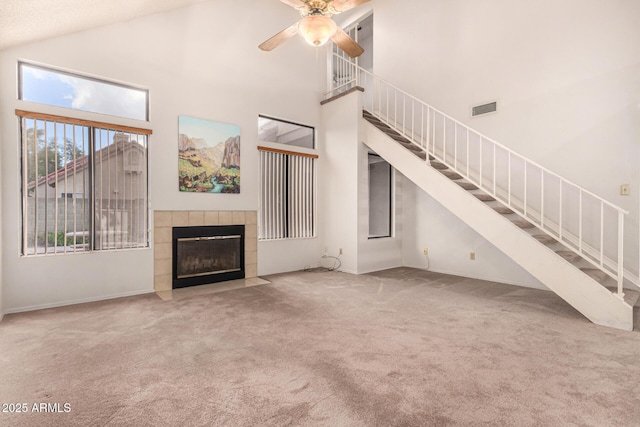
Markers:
(93, 128)
(22, 64)
(128, 232)
(390, 200)
(313, 133)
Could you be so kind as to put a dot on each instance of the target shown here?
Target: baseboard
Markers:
(74, 302)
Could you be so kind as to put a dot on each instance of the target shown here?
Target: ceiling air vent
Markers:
(478, 110)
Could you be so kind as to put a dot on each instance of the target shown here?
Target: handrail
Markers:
(483, 136)
(434, 141)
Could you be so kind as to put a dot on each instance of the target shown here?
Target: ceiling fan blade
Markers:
(280, 38)
(340, 6)
(347, 44)
(294, 3)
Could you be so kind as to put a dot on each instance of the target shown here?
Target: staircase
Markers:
(568, 238)
(568, 255)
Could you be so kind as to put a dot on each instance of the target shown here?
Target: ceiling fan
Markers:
(317, 27)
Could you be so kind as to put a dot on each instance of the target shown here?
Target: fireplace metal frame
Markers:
(207, 232)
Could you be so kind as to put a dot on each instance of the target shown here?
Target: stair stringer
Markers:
(586, 295)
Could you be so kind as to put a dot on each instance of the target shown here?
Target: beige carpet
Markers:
(400, 347)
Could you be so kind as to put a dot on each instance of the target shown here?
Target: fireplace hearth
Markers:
(207, 254)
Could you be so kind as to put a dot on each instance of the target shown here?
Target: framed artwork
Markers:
(208, 156)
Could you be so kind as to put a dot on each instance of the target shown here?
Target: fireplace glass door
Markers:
(207, 254)
(201, 256)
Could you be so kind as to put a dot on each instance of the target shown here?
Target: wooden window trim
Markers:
(293, 153)
(81, 122)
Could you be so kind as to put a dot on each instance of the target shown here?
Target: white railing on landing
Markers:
(579, 219)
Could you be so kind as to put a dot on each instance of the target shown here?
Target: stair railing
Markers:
(579, 219)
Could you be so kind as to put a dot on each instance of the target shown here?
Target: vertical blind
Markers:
(84, 185)
(287, 195)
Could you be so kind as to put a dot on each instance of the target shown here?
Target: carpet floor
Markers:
(400, 347)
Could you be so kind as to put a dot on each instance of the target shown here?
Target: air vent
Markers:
(478, 110)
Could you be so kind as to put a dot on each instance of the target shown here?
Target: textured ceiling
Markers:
(23, 21)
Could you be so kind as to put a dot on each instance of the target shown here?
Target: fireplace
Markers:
(207, 254)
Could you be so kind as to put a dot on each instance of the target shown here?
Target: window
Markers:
(287, 195)
(84, 185)
(380, 194)
(283, 132)
(288, 180)
(63, 89)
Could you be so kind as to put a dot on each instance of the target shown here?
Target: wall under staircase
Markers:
(560, 269)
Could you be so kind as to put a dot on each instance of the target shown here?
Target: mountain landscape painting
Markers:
(208, 156)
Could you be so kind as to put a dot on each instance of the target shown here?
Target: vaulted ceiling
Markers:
(24, 21)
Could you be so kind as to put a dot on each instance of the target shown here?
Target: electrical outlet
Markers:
(472, 256)
(340, 251)
(425, 251)
(625, 190)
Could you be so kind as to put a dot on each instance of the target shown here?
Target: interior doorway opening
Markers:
(380, 197)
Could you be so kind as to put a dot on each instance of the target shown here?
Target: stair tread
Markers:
(406, 143)
(595, 274)
(503, 210)
(392, 133)
(372, 119)
(569, 256)
(523, 223)
(544, 239)
(451, 174)
(485, 197)
(631, 297)
(402, 140)
(467, 185)
(410, 146)
(375, 121)
(439, 166)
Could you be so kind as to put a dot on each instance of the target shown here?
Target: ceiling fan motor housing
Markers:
(317, 7)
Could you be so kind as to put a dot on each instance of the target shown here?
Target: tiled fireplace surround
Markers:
(163, 221)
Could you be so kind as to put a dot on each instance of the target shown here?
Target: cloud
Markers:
(105, 98)
(36, 73)
(110, 99)
(92, 95)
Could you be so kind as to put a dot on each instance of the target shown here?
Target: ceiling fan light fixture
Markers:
(317, 29)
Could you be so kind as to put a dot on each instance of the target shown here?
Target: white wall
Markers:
(345, 195)
(1, 258)
(201, 61)
(339, 179)
(449, 242)
(281, 256)
(566, 76)
(1, 225)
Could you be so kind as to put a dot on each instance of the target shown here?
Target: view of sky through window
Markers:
(60, 89)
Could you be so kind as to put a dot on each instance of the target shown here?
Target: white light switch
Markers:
(625, 190)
